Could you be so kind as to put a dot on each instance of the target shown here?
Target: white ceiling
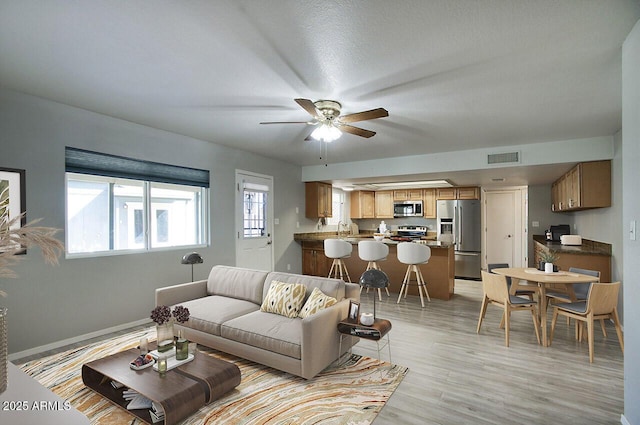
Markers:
(453, 74)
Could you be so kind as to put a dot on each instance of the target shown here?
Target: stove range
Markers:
(410, 233)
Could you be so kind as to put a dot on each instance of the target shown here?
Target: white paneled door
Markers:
(254, 221)
(505, 227)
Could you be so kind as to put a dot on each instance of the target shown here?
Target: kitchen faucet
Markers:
(345, 226)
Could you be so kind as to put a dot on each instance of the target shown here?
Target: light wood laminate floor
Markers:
(459, 377)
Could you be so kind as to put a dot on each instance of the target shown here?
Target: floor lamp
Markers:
(192, 258)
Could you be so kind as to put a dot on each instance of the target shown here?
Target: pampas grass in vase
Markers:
(14, 239)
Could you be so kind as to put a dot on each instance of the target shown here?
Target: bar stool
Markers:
(338, 249)
(372, 252)
(413, 254)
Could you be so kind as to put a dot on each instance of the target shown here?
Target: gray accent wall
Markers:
(85, 295)
(631, 211)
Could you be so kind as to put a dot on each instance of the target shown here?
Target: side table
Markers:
(375, 332)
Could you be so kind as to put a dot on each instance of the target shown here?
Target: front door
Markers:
(254, 221)
(505, 227)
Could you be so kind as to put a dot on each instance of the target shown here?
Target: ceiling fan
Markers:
(326, 114)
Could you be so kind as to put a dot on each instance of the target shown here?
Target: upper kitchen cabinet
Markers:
(384, 203)
(429, 203)
(585, 186)
(450, 193)
(363, 204)
(318, 202)
(407, 195)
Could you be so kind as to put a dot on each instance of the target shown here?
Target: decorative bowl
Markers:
(366, 319)
(378, 236)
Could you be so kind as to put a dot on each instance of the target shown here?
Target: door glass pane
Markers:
(255, 213)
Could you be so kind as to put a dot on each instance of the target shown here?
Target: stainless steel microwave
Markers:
(407, 208)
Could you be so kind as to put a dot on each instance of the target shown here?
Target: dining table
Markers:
(543, 280)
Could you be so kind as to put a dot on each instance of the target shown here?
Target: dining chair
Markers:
(520, 289)
(576, 292)
(601, 303)
(495, 291)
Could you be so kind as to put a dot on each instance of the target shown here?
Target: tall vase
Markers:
(165, 337)
(182, 346)
(4, 349)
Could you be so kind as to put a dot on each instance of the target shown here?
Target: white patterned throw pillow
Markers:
(284, 298)
(317, 301)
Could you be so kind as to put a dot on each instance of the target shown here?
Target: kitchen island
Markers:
(438, 273)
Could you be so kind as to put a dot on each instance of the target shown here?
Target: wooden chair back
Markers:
(603, 298)
(581, 290)
(495, 287)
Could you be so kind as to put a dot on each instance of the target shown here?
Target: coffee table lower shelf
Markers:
(179, 392)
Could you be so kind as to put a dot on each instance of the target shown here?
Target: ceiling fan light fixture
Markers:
(326, 132)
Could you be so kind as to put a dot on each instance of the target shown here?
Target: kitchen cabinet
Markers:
(585, 186)
(451, 193)
(429, 203)
(363, 204)
(407, 195)
(384, 203)
(314, 262)
(318, 200)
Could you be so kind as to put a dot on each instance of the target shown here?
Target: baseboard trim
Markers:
(624, 420)
(76, 339)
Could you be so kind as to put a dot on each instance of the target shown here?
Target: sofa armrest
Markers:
(320, 338)
(175, 294)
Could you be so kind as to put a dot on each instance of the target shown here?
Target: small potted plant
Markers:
(547, 258)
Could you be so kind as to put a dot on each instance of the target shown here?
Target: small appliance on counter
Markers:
(571, 240)
(558, 231)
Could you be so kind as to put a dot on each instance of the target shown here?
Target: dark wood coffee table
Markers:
(181, 391)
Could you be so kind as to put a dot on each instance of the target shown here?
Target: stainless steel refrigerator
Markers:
(459, 223)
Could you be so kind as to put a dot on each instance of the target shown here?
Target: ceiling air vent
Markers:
(502, 158)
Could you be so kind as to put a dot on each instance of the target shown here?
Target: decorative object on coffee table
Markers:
(15, 236)
(164, 327)
(181, 314)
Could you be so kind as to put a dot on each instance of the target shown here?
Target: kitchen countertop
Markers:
(588, 247)
(354, 239)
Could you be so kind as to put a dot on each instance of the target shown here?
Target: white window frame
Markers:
(148, 208)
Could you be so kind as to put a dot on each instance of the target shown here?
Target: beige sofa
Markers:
(225, 315)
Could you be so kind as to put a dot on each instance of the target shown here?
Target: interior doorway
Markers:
(254, 221)
(505, 226)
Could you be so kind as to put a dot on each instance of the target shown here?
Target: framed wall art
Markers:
(13, 200)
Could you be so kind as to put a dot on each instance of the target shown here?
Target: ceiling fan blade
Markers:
(289, 122)
(365, 115)
(308, 106)
(355, 130)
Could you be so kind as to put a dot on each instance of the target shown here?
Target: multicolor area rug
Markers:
(352, 393)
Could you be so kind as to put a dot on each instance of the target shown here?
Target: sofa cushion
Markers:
(270, 332)
(234, 282)
(209, 313)
(284, 298)
(332, 287)
(317, 301)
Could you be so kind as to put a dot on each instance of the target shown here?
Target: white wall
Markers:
(631, 211)
(82, 296)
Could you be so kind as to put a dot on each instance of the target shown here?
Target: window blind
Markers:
(95, 163)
